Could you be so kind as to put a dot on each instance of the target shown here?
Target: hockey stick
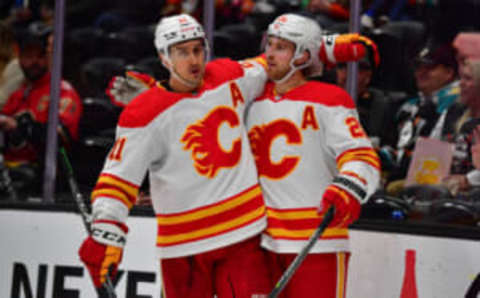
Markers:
(292, 268)
(108, 289)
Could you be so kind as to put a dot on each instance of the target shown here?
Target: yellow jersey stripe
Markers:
(196, 215)
(329, 232)
(131, 190)
(216, 229)
(108, 192)
(371, 159)
(361, 153)
(340, 275)
(294, 214)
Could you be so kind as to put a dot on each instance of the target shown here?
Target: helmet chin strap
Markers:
(292, 70)
(176, 75)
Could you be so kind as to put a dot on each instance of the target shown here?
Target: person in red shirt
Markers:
(24, 117)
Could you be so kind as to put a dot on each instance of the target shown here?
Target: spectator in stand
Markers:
(463, 173)
(335, 9)
(467, 45)
(380, 12)
(24, 117)
(226, 11)
(328, 12)
(11, 75)
(21, 13)
(475, 150)
(47, 12)
(372, 104)
(121, 14)
(430, 114)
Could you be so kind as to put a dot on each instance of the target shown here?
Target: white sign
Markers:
(40, 257)
(444, 268)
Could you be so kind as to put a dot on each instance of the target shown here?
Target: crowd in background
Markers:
(426, 86)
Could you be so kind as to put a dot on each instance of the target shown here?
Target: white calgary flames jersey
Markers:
(302, 142)
(203, 180)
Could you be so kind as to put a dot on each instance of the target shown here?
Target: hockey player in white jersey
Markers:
(189, 134)
(310, 151)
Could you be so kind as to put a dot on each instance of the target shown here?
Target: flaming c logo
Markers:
(261, 139)
(202, 138)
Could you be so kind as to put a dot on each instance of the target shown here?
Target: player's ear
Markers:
(303, 59)
(164, 60)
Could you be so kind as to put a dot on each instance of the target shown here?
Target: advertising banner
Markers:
(39, 259)
(389, 265)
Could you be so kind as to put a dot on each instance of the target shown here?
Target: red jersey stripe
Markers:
(249, 206)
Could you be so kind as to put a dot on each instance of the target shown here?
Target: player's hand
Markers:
(348, 47)
(370, 47)
(8, 123)
(102, 251)
(122, 90)
(347, 207)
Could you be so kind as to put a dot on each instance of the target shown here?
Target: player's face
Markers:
(188, 59)
(278, 52)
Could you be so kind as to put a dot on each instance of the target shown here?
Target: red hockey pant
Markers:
(319, 276)
(239, 271)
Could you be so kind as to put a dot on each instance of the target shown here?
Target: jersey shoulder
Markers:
(323, 94)
(260, 59)
(222, 70)
(147, 106)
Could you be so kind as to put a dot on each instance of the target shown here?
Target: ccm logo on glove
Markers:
(107, 236)
(109, 233)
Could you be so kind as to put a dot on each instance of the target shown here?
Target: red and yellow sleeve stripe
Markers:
(212, 220)
(259, 59)
(299, 224)
(111, 186)
(367, 155)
